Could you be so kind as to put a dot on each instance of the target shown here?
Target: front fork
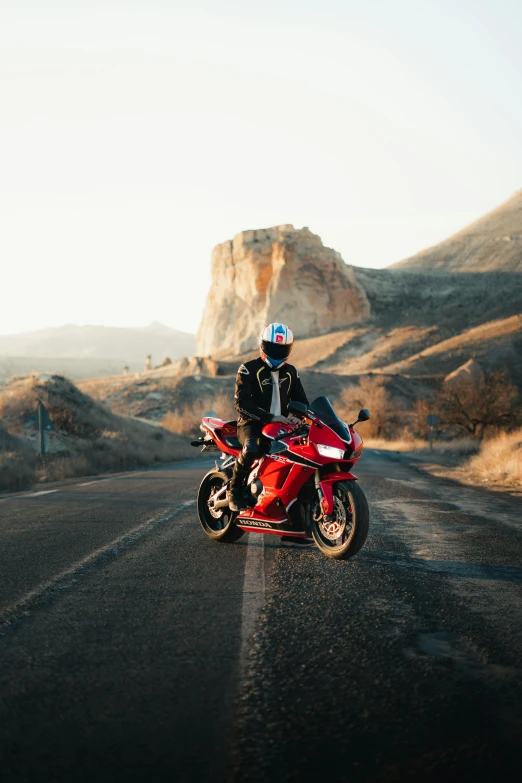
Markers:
(324, 488)
(324, 491)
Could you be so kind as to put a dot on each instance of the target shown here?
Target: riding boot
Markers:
(236, 494)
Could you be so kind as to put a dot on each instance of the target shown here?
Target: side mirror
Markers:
(364, 415)
(297, 407)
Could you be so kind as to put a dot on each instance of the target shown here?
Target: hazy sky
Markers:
(134, 136)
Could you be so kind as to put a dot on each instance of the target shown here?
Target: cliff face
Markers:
(276, 274)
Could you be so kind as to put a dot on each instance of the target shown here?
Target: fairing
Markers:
(222, 431)
(290, 464)
(323, 409)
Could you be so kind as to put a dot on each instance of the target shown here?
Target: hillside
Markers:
(408, 327)
(384, 320)
(127, 346)
(493, 243)
(178, 389)
(423, 324)
(493, 344)
(86, 437)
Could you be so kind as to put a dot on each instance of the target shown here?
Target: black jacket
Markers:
(253, 395)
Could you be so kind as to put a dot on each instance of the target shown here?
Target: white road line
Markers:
(96, 481)
(51, 491)
(253, 594)
(68, 576)
(42, 492)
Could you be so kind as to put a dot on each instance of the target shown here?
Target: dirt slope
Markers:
(86, 437)
(426, 325)
(492, 243)
(492, 344)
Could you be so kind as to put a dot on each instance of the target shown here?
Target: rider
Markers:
(264, 387)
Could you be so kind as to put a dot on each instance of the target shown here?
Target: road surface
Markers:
(133, 648)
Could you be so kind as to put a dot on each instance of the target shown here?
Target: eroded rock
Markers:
(276, 274)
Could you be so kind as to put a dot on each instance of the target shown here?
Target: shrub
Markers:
(18, 463)
(187, 419)
(500, 459)
(371, 393)
(474, 408)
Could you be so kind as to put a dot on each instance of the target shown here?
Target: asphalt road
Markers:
(133, 648)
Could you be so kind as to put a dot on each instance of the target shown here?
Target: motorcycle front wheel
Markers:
(343, 535)
(218, 524)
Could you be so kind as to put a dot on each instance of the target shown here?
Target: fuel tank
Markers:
(276, 430)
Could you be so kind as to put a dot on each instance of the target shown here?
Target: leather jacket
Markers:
(253, 395)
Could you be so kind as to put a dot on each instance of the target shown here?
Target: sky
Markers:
(136, 135)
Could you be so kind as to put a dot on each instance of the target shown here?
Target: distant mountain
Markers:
(74, 369)
(128, 346)
(491, 244)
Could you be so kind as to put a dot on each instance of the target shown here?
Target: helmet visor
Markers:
(276, 350)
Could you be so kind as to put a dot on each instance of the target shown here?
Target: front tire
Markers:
(218, 524)
(344, 535)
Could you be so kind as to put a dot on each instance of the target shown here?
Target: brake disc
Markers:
(333, 527)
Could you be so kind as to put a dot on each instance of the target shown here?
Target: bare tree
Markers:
(491, 402)
(371, 393)
(421, 408)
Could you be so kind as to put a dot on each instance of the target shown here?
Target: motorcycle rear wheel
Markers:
(344, 535)
(219, 525)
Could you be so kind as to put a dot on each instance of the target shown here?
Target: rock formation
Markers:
(197, 365)
(276, 274)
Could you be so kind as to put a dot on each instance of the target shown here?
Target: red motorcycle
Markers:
(302, 488)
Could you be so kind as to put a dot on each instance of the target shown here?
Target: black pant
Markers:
(254, 446)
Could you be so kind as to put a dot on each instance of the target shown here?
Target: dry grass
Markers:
(129, 445)
(371, 392)
(87, 438)
(187, 419)
(155, 395)
(18, 463)
(461, 447)
(16, 472)
(496, 462)
(499, 460)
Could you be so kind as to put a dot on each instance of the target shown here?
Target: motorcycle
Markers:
(302, 488)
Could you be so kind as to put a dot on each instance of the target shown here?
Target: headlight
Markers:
(329, 451)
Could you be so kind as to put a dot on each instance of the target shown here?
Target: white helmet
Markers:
(275, 345)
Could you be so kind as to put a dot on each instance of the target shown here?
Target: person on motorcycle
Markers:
(264, 387)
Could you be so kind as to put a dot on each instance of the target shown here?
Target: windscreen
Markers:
(323, 409)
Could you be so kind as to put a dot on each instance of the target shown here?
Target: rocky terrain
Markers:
(409, 322)
(405, 328)
(425, 324)
(491, 244)
(84, 437)
(276, 274)
(410, 327)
